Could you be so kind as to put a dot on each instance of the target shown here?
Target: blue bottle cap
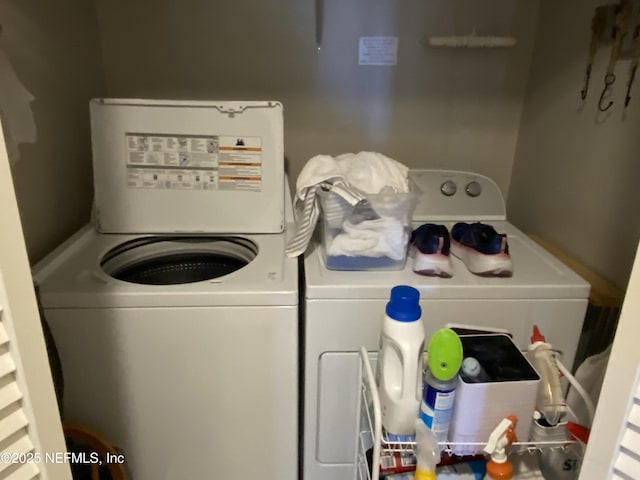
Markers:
(404, 304)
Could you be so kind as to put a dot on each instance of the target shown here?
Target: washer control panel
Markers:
(456, 195)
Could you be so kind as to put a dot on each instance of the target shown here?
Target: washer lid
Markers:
(175, 166)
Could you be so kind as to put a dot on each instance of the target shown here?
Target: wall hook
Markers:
(609, 80)
(319, 23)
(598, 24)
(634, 62)
(587, 77)
(632, 77)
(621, 29)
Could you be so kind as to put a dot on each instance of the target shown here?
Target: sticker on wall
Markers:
(378, 51)
(193, 162)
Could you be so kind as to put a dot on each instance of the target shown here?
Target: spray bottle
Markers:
(472, 372)
(550, 401)
(499, 467)
(427, 452)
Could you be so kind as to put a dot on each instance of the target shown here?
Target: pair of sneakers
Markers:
(483, 250)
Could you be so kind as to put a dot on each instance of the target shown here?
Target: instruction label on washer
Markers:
(193, 162)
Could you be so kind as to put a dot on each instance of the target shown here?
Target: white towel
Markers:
(372, 171)
(382, 237)
(348, 175)
(320, 169)
(308, 210)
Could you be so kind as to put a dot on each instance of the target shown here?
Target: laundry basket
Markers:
(371, 235)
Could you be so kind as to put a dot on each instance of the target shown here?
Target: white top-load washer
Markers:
(178, 329)
(344, 310)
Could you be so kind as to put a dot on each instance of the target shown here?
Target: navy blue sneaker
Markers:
(483, 250)
(429, 248)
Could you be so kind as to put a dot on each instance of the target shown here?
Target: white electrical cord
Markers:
(591, 409)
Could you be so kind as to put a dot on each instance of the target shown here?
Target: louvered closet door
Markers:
(29, 420)
(14, 435)
(627, 462)
(613, 451)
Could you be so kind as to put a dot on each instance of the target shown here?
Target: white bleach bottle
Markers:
(400, 361)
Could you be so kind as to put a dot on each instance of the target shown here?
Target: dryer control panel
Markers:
(456, 195)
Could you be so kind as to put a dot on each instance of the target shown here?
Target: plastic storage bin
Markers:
(372, 235)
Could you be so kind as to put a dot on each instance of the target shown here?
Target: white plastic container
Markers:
(511, 390)
(399, 370)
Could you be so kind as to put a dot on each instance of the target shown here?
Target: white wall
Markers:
(577, 171)
(54, 49)
(436, 108)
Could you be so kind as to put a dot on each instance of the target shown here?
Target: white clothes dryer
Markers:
(343, 310)
(178, 329)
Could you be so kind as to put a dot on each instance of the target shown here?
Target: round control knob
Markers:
(473, 189)
(448, 188)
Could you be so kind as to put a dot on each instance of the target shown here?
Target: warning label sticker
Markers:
(240, 163)
(193, 162)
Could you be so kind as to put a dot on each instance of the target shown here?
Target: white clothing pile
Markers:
(352, 177)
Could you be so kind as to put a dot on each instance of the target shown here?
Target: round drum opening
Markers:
(177, 260)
